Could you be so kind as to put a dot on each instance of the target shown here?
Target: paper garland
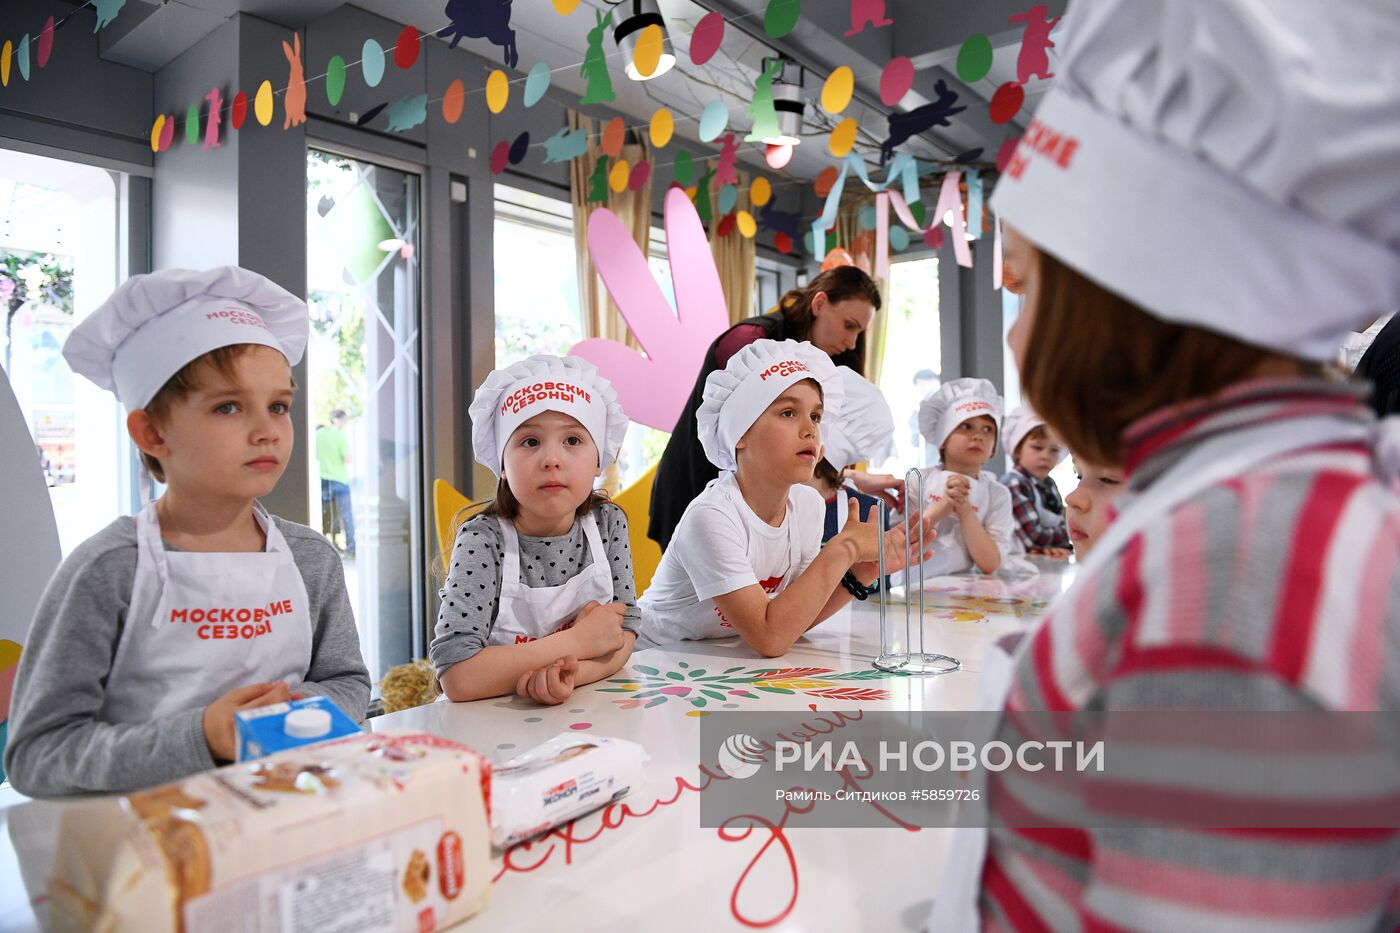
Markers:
(780, 17)
(705, 40)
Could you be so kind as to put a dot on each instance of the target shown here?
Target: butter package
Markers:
(373, 832)
(558, 781)
(281, 726)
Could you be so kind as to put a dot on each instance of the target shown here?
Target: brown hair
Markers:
(1037, 433)
(1097, 362)
(186, 382)
(506, 506)
(840, 284)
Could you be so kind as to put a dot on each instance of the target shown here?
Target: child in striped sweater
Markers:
(1253, 564)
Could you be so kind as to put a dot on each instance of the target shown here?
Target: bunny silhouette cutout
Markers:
(295, 101)
(653, 388)
(1034, 58)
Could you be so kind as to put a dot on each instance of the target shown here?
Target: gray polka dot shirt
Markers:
(472, 590)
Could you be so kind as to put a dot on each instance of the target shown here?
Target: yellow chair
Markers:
(635, 501)
(447, 502)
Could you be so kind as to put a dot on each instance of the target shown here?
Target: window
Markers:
(913, 358)
(362, 283)
(767, 285)
(537, 299)
(1063, 475)
(59, 259)
(537, 303)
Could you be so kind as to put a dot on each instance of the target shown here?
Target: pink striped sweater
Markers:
(1279, 590)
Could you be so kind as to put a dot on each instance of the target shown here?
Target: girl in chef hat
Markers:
(538, 597)
(747, 557)
(968, 506)
(1036, 506)
(157, 629)
(1209, 192)
(863, 430)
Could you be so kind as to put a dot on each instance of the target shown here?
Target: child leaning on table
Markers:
(158, 628)
(747, 558)
(538, 597)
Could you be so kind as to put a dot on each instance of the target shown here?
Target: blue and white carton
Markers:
(281, 726)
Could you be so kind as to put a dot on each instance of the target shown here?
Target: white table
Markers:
(646, 860)
(650, 863)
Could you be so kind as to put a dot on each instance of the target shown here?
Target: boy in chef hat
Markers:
(863, 430)
(1210, 192)
(538, 597)
(747, 557)
(1036, 505)
(157, 629)
(968, 506)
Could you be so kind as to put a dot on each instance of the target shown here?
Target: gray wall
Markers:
(77, 103)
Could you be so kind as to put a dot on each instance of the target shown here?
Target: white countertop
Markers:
(646, 860)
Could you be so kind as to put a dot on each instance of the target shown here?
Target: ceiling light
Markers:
(644, 13)
(790, 107)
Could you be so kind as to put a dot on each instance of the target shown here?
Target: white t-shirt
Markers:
(721, 546)
(992, 502)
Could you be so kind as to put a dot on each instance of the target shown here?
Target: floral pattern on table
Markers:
(698, 687)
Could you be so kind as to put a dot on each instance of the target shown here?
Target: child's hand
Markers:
(597, 629)
(894, 543)
(957, 491)
(881, 486)
(550, 685)
(220, 733)
(1058, 553)
(862, 537)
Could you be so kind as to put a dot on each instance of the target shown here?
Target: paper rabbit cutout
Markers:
(107, 11)
(867, 13)
(216, 115)
(485, 19)
(654, 388)
(1034, 58)
(595, 64)
(295, 102)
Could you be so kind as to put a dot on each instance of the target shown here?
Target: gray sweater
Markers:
(57, 746)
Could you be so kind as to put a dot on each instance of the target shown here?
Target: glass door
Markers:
(363, 366)
(60, 258)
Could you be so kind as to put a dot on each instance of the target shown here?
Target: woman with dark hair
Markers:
(832, 313)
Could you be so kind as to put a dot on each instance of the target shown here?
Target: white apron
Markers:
(526, 613)
(201, 624)
(955, 909)
(950, 554)
(775, 568)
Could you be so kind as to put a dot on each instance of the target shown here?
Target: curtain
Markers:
(734, 256)
(599, 316)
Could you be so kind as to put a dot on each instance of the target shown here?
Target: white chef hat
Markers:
(864, 429)
(1020, 422)
(1225, 165)
(956, 401)
(736, 395)
(567, 384)
(154, 324)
